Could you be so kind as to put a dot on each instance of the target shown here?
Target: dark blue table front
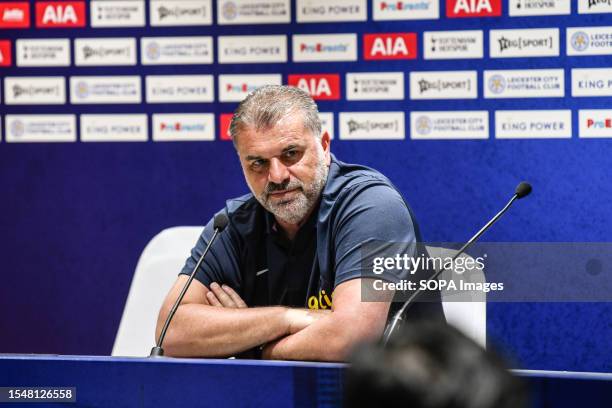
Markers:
(167, 382)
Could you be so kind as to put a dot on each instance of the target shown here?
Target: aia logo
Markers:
(473, 8)
(319, 86)
(390, 46)
(15, 15)
(5, 53)
(60, 14)
(224, 126)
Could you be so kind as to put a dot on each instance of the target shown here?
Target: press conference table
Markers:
(170, 382)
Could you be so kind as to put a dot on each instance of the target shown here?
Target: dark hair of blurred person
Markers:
(430, 365)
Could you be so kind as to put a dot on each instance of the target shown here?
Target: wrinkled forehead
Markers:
(271, 140)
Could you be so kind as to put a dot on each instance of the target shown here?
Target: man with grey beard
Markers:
(284, 278)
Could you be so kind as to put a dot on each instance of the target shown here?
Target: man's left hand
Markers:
(224, 296)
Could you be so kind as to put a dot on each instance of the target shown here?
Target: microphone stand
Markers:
(219, 224)
(521, 191)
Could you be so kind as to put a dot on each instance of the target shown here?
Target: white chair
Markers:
(156, 271)
(165, 255)
(467, 311)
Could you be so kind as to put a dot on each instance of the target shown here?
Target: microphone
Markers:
(219, 224)
(522, 190)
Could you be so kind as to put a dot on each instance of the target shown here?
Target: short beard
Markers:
(295, 210)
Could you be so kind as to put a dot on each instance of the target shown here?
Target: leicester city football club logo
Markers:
(153, 50)
(580, 41)
(230, 10)
(423, 125)
(17, 128)
(82, 89)
(497, 84)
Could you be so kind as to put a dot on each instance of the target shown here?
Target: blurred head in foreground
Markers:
(431, 365)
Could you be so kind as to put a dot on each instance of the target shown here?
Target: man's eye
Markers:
(290, 153)
(257, 164)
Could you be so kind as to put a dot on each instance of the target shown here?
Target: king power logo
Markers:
(60, 14)
(319, 86)
(390, 46)
(473, 8)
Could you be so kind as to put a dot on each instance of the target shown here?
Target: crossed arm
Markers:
(215, 322)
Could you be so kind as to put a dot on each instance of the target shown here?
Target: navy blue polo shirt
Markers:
(358, 205)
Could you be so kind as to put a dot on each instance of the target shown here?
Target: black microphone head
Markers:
(220, 221)
(523, 189)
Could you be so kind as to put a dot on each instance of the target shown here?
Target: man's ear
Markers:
(326, 144)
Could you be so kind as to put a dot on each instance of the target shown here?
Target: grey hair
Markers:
(266, 106)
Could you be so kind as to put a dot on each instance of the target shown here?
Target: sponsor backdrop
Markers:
(114, 118)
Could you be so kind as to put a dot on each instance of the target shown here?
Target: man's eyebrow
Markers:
(286, 149)
(290, 147)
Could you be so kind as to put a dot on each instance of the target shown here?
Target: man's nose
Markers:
(278, 171)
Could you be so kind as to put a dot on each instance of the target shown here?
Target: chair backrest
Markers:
(467, 311)
(165, 255)
(156, 271)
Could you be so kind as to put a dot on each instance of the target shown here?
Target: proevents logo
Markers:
(405, 9)
(183, 127)
(595, 123)
(324, 47)
(234, 88)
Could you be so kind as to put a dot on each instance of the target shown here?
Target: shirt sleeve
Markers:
(372, 223)
(221, 264)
